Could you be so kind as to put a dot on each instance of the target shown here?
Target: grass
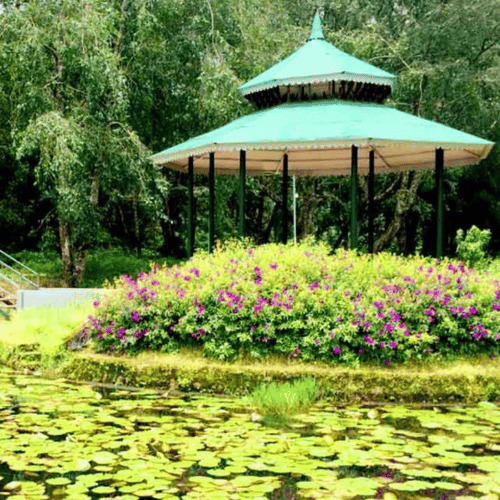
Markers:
(287, 398)
(46, 328)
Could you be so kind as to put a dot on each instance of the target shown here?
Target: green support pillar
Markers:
(354, 198)
(371, 196)
(439, 201)
(241, 195)
(211, 203)
(191, 215)
(285, 199)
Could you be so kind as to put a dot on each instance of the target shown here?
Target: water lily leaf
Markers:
(445, 485)
(103, 489)
(412, 486)
(58, 481)
(104, 457)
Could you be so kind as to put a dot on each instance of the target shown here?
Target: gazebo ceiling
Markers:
(318, 135)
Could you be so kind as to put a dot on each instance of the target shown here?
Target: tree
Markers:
(69, 118)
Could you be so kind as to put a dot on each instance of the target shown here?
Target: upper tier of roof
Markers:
(317, 61)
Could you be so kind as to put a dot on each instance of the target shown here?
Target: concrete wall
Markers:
(56, 297)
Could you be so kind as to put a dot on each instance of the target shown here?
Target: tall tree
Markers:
(69, 117)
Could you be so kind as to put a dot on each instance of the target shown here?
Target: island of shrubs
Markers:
(305, 302)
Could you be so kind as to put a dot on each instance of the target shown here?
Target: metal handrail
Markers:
(10, 282)
(36, 284)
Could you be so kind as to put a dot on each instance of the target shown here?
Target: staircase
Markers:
(14, 276)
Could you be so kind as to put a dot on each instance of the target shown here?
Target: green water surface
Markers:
(61, 440)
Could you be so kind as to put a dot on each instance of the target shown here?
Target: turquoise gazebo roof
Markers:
(317, 61)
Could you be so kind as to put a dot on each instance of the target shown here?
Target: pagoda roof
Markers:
(317, 61)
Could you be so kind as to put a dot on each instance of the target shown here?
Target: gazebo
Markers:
(320, 112)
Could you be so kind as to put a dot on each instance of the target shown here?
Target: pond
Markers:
(62, 440)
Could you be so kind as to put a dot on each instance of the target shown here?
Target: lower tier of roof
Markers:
(318, 135)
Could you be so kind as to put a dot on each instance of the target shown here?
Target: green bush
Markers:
(303, 302)
(471, 248)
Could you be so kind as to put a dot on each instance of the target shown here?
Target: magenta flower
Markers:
(195, 271)
(381, 345)
(136, 317)
(337, 350)
(388, 328)
(155, 283)
(96, 303)
(366, 325)
(368, 340)
(317, 342)
(108, 330)
(331, 335)
(347, 293)
(264, 339)
(273, 266)
(200, 309)
(378, 305)
(340, 319)
(252, 328)
(393, 344)
(495, 307)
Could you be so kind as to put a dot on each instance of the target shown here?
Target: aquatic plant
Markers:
(304, 302)
(287, 398)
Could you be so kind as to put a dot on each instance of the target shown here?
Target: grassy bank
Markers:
(37, 339)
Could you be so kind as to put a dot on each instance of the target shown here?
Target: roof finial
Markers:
(316, 31)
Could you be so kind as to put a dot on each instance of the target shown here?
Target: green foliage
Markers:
(301, 302)
(47, 328)
(103, 265)
(283, 399)
(471, 247)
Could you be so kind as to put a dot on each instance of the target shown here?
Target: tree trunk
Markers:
(406, 195)
(67, 261)
(80, 262)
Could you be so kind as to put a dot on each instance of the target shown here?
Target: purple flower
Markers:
(472, 311)
(195, 271)
(252, 328)
(273, 266)
(317, 342)
(155, 283)
(96, 303)
(187, 278)
(130, 295)
(340, 319)
(387, 362)
(347, 293)
(337, 350)
(108, 330)
(263, 339)
(393, 344)
(200, 309)
(360, 351)
(332, 335)
(368, 340)
(380, 315)
(495, 307)
(366, 325)
(257, 270)
(378, 305)
(381, 345)
(388, 328)
(136, 317)
(314, 286)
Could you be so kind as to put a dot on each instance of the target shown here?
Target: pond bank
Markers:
(465, 382)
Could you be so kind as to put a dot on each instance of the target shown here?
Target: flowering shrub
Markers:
(303, 302)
